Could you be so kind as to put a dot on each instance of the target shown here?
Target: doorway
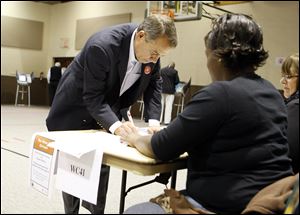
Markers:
(64, 61)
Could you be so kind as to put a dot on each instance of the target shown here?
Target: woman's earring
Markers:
(219, 60)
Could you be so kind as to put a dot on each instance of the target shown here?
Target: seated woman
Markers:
(290, 83)
(233, 130)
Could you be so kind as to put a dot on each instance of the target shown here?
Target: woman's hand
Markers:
(130, 137)
(141, 142)
(153, 129)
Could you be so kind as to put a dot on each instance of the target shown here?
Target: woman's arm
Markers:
(141, 142)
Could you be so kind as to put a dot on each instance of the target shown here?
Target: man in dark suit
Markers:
(115, 67)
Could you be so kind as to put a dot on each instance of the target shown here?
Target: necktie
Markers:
(131, 76)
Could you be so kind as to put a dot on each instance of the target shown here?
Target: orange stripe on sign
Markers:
(41, 143)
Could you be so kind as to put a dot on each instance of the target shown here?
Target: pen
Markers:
(130, 117)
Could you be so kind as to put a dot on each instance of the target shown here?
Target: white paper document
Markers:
(79, 162)
(79, 143)
(42, 164)
(80, 176)
(143, 131)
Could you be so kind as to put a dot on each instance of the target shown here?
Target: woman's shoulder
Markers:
(293, 107)
(215, 89)
(293, 99)
(222, 86)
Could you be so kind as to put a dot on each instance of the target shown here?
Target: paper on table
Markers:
(80, 176)
(79, 144)
(80, 160)
(78, 164)
(143, 131)
(42, 165)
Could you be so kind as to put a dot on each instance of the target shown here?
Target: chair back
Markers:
(179, 87)
(187, 86)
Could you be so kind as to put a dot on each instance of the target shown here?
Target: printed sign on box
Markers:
(42, 160)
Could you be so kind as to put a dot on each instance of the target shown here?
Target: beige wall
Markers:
(64, 16)
(279, 20)
(27, 60)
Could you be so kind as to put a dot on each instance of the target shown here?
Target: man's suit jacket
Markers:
(88, 92)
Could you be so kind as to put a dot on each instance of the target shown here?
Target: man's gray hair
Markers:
(156, 26)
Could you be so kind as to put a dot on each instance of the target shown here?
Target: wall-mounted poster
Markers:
(178, 10)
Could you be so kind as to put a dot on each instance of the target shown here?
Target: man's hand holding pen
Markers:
(125, 129)
(129, 133)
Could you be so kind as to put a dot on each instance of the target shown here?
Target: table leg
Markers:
(173, 179)
(123, 189)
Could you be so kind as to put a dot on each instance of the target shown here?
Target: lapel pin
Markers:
(147, 70)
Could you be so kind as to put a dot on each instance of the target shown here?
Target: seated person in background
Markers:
(290, 83)
(170, 78)
(233, 130)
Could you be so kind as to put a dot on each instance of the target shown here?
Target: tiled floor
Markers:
(18, 124)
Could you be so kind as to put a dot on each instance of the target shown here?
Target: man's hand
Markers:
(125, 129)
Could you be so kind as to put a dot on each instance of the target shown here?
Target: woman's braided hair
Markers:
(238, 41)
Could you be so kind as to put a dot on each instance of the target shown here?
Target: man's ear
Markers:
(141, 34)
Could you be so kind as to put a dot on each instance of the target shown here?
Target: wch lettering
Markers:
(77, 170)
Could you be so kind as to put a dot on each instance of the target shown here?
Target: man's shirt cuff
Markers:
(114, 127)
(153, 122)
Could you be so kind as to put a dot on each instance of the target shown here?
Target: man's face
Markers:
(151, 51)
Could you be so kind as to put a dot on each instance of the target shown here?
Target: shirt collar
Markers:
(132, 58)
(292, 97)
